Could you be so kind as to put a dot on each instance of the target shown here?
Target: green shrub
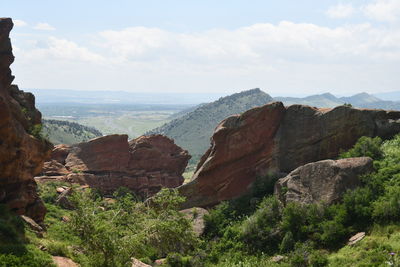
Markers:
(36, 131)
(318, 259)
(125, 229)
(177, 260)
(365, 147)
(260, 232)
(33, 257)
(358, 207)
(387, 208)
(334, 231)
(293, 219)
(234, 210)
(287, 243)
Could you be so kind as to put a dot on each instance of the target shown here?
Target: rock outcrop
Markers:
(323, 181)
(21, 154)
(144, 165)
(278, 139)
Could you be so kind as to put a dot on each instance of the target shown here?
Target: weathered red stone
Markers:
(275, 139)
(144, 165)
(21, 154)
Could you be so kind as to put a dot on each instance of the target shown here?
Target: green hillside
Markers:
(65, 132)
(193, 130)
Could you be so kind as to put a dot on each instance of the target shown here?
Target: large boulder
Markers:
(144, 165)
(323, 181)
(278, 139)
(21, 154)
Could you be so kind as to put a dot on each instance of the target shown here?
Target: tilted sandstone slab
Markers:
(278, 139)
(144, 165)
(323, 181)
(242, 148)
(21, 154)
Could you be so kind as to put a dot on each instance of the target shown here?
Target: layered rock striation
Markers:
(323, 181)
(278, 139)
(21, 153)
(144, 165)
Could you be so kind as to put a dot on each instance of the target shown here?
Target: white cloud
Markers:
(19, 23)
(383, 10)
(44, 27)
(60, 49)
(278, 57)
(256, 44)
(340, 11)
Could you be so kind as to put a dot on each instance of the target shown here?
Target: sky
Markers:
(285, 47)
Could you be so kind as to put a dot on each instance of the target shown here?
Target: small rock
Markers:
(65, 219)
(60, 190)
(160, 262)
(64, 262)
(138, 263)
(63, 200)
(109, 200)
(356, 238)
(32, 224)
(278, 258)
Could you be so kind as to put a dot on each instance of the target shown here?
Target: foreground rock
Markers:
(64, 262)
(322, 182)
(356, 238)
(21, 154)
(144, 165)
(276, 139)
(138, 263)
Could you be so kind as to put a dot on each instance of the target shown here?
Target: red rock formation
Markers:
(276, 139)
(144, 165)
(21, 154)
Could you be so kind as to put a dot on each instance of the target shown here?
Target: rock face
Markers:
(278, 139)
(21, 154)
(144, 165)
(322, 182)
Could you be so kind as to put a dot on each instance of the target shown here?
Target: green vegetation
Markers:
(15, 250)
(193, 130)
(64, 132)
(36, 131)
(103, 233)
(248, 231)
